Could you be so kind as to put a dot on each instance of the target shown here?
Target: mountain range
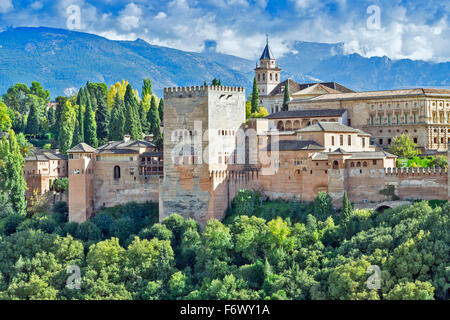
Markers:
(64, 60)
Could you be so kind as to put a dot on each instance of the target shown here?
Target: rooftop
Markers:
(328, 127)
(377, 94)
(294, 145)
(82, 147)
(124, 147)
(314, 88)
(46, 155)
(307, 113)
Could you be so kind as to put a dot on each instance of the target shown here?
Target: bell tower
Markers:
(267, 73)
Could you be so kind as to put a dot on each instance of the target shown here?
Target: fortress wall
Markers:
(110, 192)
(427, 184)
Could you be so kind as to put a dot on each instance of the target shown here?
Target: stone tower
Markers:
(200, 127)
(81, 182)
(267, 74)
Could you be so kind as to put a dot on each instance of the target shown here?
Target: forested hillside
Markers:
(273, 250)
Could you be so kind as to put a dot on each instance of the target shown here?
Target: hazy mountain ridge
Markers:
(62, 59)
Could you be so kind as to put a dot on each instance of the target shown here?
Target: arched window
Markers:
(116, 172)
(259, 77)
(335, 164)
(352, 165)
(365, 164)
(358, 165)
(270, 77)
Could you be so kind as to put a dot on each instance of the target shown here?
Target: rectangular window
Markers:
(349, 140)
(341, 140)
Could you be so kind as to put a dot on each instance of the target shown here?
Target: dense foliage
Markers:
(94, 115)
(262, 250)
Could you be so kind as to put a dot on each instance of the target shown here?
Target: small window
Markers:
(116, 172)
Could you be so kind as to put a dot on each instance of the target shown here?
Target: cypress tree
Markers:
(78, 132)
(347, 208)
(116, 125)
(33, 121)
(154, 121)
(90, 126)
(287, 97)
(161, 110)
(255, 97)
(132, 122)
(12, 182)
(67, 124)
(214, 82)
(102, 117)
(143, 117)
(220, 83)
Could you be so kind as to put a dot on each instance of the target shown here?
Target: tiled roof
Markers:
(122, 145)
(82, 147)
(366, 155)
(307, 113)
(292, 145)
(152, 154)
(295, 87)
(328, 127)
(46, 155)
(376, 94)
(371, 155)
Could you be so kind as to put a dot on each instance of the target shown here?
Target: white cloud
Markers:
(130, 17)
(6, 6)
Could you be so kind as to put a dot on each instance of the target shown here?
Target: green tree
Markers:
(146, 87)
(102, 118)
(255, 97)
(5, 119)
(51, 116)
(403, 147)
(116, 125)
(161, 109)
(33, 121)
(78, 133)
(153, 120)
(132, 122)
(90, 126)
(11, 172)
(286, 98)
(322, 205)
(417, 290)
(37, 90)
(67, 125)
(347, 208)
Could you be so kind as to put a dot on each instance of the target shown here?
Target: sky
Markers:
(414, 29)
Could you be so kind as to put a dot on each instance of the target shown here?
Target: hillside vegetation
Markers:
(262, 250)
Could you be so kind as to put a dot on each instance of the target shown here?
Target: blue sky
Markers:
(416, 29)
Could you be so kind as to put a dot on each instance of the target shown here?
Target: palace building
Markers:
(423, 114)
(331, 139)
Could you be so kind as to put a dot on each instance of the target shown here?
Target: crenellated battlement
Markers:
(183, 92)
(416, 171)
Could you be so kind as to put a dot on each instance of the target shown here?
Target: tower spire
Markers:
(267, 39)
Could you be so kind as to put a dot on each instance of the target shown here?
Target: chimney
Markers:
(126, 138)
